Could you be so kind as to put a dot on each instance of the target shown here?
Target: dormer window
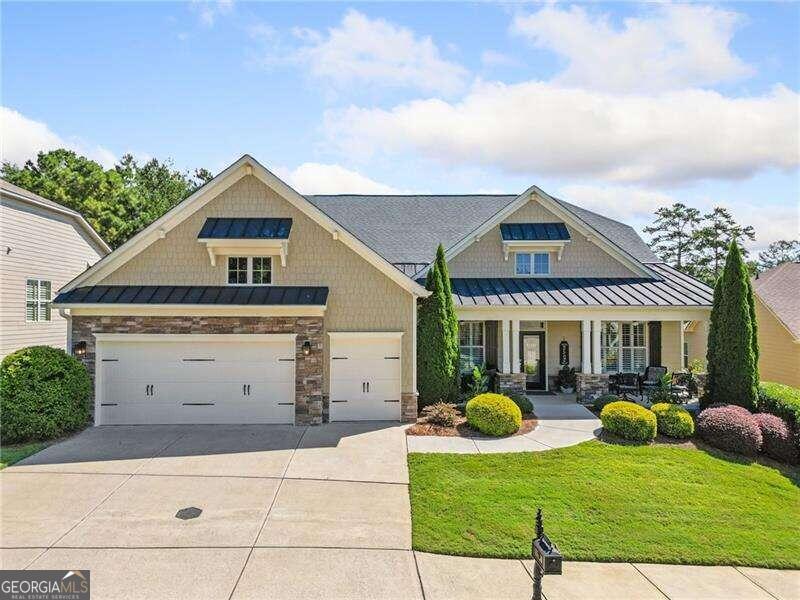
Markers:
(533, 263)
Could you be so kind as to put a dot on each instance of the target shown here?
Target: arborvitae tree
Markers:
(732, 347)
(436, 373)
(452, 319)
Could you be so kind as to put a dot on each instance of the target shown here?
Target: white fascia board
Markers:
(578, 313)
(246, 165)
(195, 337)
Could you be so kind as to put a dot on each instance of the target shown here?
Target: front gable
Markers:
(580, 256)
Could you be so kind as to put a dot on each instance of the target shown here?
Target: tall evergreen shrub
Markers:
(732, 346)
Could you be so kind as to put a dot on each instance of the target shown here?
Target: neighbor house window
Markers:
(37, 300)
(255, 270)
(533, 263)
(623, 347)
(471, 344)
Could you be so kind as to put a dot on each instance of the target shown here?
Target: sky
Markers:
(621, 107)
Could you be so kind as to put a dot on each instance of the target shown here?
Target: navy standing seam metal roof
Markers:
(246, 228)
(244, 295)
(534, 231)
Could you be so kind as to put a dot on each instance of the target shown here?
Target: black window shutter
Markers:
(654, 337)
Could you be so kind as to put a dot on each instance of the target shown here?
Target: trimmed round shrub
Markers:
(673, 421)
(604, 401)
(778, 438)
(494, 414)
(731, 428)
(44, 393)
(525, 405)
(629, 420)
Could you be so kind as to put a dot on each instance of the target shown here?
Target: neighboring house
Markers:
(778, 316)
(43, 245)
(250, 303)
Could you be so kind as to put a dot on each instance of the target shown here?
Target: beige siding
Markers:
(43, 245)
(556, 332)
(361, 297)
(671, 351)
(580, 258)
(779, 358)
(697, 340)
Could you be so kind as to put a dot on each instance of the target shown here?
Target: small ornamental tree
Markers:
(437, 339)
(732, 346)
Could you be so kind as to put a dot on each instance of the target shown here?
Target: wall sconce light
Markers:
(306, 348)
(79, 349)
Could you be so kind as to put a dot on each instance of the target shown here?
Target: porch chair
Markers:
(628, 383)
(652, 378)
(679, 386)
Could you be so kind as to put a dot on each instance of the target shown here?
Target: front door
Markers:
(532, 358)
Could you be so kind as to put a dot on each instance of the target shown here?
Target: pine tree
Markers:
(778, 253)
(674, 234)
(732, 346)
(436, 371)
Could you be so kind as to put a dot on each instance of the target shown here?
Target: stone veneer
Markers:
(308, 408)
(409, 407)
(589, 385)
(510, 384)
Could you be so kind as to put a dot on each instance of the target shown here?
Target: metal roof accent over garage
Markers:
(246, 228)
(255, 295)
(675, 289)
(534, 231)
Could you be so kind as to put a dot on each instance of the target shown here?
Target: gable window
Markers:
(37, 300)
(623, 347)
(533, 263)
(470, 344)
(253, 270)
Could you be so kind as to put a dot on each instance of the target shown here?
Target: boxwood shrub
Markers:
(781, 400)
(673, 421)
(525, 405)
(779, 440)
(44, 393)
(731, 428)
(494, 414)
(629, 420)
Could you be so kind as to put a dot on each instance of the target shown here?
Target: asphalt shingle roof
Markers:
(778, 288)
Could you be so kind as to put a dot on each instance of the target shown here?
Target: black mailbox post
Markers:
(546, 557)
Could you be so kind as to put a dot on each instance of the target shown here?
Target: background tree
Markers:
(713, 239)
(673, 234)
(437, 367)
(732, 345)
(778, 253)
(117, 202)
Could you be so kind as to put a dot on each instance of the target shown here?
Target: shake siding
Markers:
(580, 258)
(779, 359)
(361, 298)
(563, 330)
(44, 245)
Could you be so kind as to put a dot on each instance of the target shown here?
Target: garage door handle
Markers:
(338, 401)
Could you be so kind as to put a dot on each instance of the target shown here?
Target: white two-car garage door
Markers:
(365, 372)
(205, 378)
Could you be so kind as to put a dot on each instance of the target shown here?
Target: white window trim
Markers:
(250, 272)
(532, 272)
(39, 302)
(472, 346)
(646, 345)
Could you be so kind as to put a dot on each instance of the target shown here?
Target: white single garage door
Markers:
(155, 379)
(365, 372)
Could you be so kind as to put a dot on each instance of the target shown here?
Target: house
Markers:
(250, 303)
(778, 318)
(43, 245)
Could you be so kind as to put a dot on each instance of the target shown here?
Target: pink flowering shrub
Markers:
(778, 438)
(730, 428)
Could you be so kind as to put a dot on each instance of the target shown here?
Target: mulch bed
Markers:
(462, 429)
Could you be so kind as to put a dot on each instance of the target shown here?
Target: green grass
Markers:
(605, 502)
(15, 453)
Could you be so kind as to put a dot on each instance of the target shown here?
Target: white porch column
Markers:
(505, 337)
(515, 346)
(597, 368)
(586, 346)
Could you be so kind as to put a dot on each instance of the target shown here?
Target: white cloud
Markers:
(493, 58)
(623, 203)
(317, 178)
(546, 129)
(209, 10)
(360, 50)
(23, 138)
(673, 47)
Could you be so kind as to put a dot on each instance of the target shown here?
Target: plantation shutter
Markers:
(654, 337)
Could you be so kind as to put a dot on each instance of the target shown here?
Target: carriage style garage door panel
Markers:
(365, 373)
(162, 379)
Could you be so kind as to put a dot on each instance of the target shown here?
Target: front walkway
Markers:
(561, 422)
(288, 512)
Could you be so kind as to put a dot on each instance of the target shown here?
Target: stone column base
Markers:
(589, 386)
(408, 407)
(510, 384)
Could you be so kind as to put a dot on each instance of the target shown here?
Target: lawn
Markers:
(15, 453)
(605, 502)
